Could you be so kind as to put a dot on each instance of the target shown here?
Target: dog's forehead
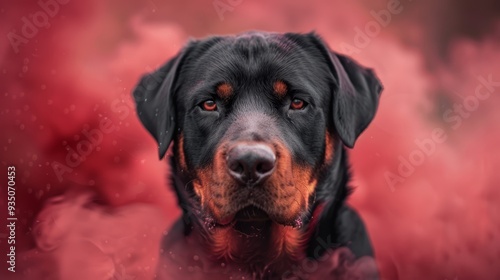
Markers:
(273, 41)
(252, 52)
(253, 41)
(254, 58)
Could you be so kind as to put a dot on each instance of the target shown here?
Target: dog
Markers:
(259, 123)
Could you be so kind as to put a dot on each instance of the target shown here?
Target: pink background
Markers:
(440, 219)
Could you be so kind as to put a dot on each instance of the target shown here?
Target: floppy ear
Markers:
(154, 98)
(355, 99)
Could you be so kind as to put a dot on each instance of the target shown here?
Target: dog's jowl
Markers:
(259, 123)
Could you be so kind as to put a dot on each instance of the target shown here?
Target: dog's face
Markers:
(255, 119)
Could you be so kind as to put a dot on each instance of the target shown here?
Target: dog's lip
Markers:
(227, 221)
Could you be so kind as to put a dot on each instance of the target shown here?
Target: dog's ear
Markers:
(155, 103)
(355, 96)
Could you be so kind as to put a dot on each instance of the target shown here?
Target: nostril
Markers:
(265, 167)
(236, 167)
(260, 168)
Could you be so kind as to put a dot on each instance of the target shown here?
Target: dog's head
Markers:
(255, 118)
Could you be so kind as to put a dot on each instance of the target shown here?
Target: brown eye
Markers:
(297, 104)
(209, 105)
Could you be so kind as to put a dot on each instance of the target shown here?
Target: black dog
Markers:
(259, 122)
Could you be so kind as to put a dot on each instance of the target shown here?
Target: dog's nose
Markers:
(251, 163)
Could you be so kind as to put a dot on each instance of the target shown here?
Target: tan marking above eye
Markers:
(280, 88)
(224, 90)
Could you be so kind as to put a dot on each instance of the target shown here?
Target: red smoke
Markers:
(425, 176)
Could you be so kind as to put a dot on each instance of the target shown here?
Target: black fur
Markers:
(342, 99)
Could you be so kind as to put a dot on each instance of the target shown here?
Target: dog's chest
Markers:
(185, 258)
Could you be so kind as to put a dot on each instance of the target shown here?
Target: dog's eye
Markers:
(297, 104)
(209, 105)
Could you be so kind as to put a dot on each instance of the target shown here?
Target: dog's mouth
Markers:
(247, 215)
(252, 221)
(251, 214)
(253, 217)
